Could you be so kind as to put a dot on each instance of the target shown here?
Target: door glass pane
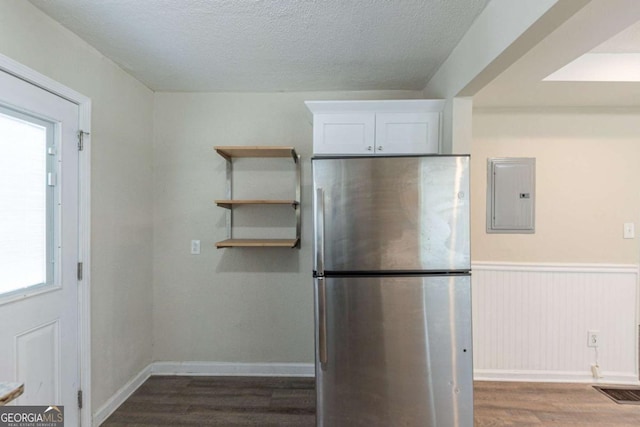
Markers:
(24, 196)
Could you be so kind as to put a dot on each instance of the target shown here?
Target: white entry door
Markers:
(39, 245)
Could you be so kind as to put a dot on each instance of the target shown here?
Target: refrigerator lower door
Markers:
(397, 351)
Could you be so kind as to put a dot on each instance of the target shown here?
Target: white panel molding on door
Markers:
(30, 346)
(29, 75)
(530, 321)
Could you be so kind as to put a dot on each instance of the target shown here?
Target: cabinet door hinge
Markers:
(80, 399)
(81, 135)
(79, 271)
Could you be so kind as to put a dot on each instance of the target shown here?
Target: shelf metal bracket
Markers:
(298, 198)
(229, 217)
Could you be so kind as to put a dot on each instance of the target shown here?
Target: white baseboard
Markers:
(120, 396)
(554, 377)
(200, 369)
(308, 370)
(234, 369)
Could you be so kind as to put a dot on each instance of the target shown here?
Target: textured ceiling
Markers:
(271, 45)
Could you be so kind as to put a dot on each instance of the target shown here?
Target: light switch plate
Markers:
(195, 247)
(629, 230)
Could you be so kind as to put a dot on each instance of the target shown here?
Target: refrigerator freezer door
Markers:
(398, 352)
(393, 213)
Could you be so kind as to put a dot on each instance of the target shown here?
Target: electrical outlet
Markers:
(195, 247)
(593, 338)
(629, 230)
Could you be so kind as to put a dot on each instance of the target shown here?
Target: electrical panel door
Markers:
(510, 195)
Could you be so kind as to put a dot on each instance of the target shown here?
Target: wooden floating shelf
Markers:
(229, 203)
(229, 153)
(257, 151)
(258, 243)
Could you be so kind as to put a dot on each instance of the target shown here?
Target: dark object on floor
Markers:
(626, 395)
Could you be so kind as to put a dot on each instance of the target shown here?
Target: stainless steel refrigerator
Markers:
(392, 291)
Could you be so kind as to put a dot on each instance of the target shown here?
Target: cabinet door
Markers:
(407, 133)
(343, 133)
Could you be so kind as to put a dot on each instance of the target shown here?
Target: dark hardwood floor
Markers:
(219, 401)
(242, 401)
(548, 404)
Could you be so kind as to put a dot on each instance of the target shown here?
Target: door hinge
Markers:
(79, 271)
(81, 135)
(80, 399)
(51, 179)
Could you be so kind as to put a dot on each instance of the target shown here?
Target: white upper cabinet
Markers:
(376, 127)
(344, 133)
(407, 133)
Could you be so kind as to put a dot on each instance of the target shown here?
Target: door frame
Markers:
(29, 75)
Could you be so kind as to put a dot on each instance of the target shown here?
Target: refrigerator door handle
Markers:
(322, 322)
(319, 217)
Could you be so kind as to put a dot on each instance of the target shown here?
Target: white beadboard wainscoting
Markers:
(530, 321)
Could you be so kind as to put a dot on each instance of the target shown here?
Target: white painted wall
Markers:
(500, 35)
(480, 55)
(586, 184)
(232, 305)
(121, 187)
(531, 319)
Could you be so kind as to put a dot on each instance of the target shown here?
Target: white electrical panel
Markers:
(511, 195)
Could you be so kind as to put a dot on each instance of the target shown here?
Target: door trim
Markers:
(27, 74)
